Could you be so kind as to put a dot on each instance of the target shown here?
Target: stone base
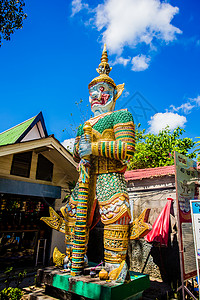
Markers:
(63, 286)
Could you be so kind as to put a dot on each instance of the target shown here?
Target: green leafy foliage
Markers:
(157, 150)
(20, 277)
(14, 293)
(197, 149)
(12, 276)
(11, 17)
(11, 293)
(9, 276)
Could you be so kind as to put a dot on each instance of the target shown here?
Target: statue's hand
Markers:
(85, 147)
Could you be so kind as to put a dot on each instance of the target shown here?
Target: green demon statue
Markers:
(102, 146)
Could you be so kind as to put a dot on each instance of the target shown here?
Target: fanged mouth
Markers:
(103, 101)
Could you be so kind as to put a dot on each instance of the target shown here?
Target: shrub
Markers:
(11, 294)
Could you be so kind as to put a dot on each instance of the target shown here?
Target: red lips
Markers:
(104, 100)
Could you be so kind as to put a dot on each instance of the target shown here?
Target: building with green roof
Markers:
(36, 172)
(29, 129)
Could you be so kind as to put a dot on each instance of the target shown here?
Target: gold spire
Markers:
(103, 70)
(104, 57)
(104, 67)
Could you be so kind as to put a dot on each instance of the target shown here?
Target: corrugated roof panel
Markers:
(151, 172)
(11, 135)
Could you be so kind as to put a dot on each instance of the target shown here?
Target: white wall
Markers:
(151, 193)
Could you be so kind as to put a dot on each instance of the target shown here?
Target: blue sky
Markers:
(153, 46)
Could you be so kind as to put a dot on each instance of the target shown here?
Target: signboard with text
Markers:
(186, 177)
(195, 204)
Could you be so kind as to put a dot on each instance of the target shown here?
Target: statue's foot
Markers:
(119, 274)
(109, 267)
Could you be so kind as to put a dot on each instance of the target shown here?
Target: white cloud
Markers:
(160, 120)
(77, 6)
(186, 108)
(171, 117)
(129, 22)
(122, 61)
(140, 63)
(196, 100)
(69, 144)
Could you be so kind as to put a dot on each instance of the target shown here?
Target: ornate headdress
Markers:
(104, 70)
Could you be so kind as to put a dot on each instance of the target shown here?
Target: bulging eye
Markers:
(101, 88)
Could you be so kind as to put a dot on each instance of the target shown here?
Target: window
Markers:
(44, 168)
(21, 164)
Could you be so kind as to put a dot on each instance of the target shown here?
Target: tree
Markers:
(197, 149)
(11, 17)
(157, 150)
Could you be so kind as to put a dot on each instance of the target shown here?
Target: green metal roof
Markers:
(11, 135)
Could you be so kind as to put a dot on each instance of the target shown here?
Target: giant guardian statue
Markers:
(102, 147)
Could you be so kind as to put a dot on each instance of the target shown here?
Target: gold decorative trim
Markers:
(114, 258)
(95, 149)
(113, 228)
(69, 232)
(121, 196)
(107, 135)
(102, 78)
(123, 125)
(123, 210)
(140, 227)
(116, 237)
(62, 209)
(58, 257)
(54, 221)
(119, 88)
(102, 165)
(95, 135)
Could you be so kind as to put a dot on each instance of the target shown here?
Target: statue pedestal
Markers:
(61, 285)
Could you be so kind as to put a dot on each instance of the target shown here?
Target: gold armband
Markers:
(95, 149)
(111, 149)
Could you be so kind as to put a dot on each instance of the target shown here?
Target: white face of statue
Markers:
(101, 98)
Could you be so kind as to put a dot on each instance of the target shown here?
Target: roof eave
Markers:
(34, 144)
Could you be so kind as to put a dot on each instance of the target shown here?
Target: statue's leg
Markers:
(116, 242)
(115, 215)
(69, 214)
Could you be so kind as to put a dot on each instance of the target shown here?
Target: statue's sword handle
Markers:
(88, 135)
